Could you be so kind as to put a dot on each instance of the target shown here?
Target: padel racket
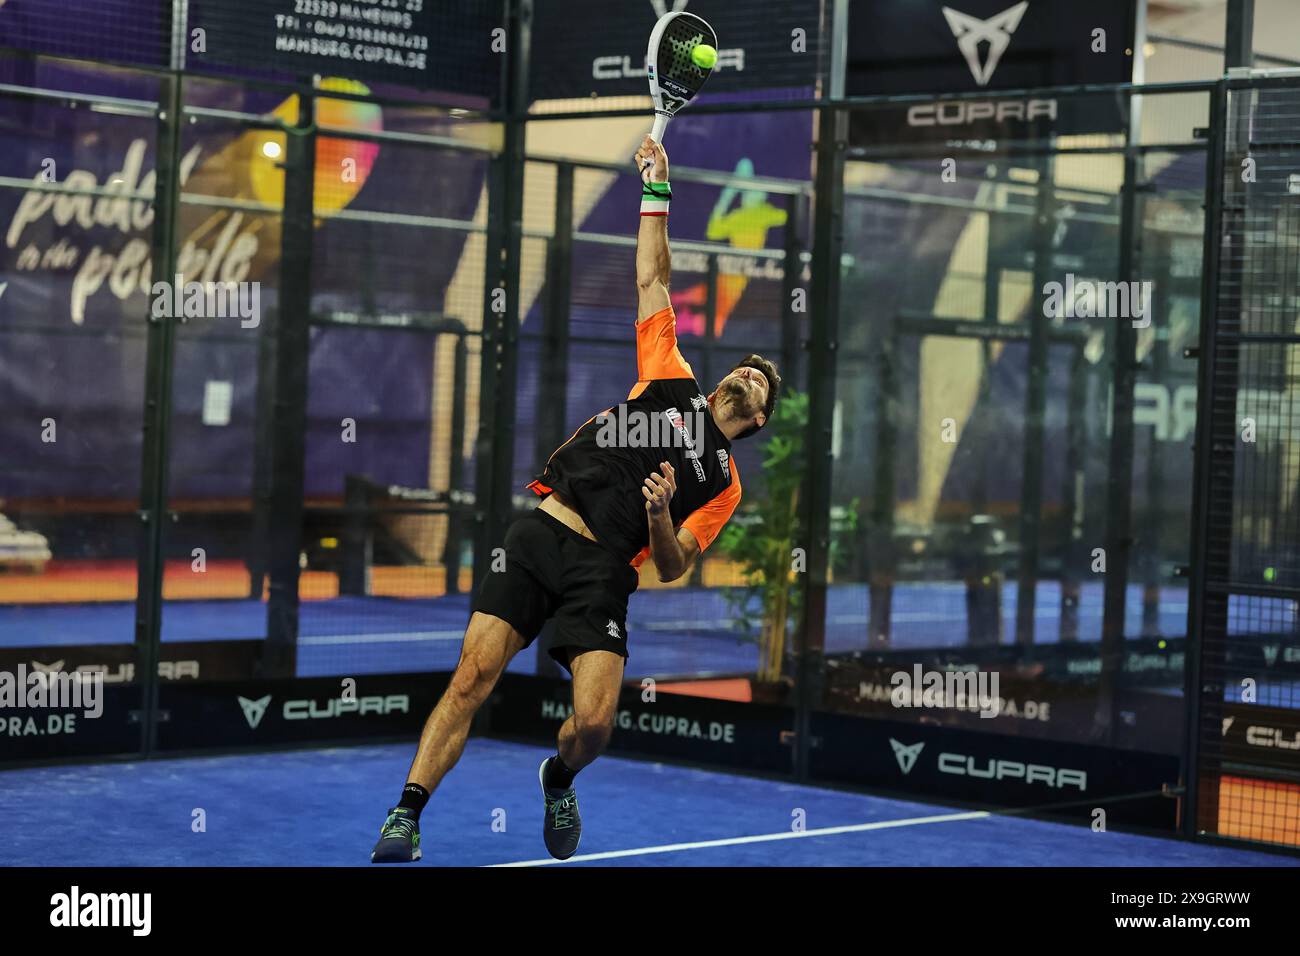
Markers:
(675, 79)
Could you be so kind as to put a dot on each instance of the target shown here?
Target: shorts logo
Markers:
(612, 629)
(254, 710)
(725, 462)
(699, 402)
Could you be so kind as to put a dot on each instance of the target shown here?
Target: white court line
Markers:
(397, 637)
(761, 838)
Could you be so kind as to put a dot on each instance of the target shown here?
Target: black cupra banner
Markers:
(965, 46)
(425, 44)
(994, 769)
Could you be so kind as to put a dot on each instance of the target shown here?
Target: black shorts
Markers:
(551, 571)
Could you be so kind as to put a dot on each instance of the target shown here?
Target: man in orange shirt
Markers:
(652, 478)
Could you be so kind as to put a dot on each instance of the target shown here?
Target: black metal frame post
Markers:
(358, 538)
(1119, 471)
(553, 384)
(1239, 34)
(553, 363)
(980, 561)
(1074, 552)
(289, 385)
(1118, 542)
(708, 364)
(710, 318)
(156, 443)
(1203, 613)
(488, 532)
(451, 552)
(1149, 567)
(791, 280)
(993, 267)
(823, 343)
(495, 444)
(1208, 613)
(263, 441)
(1031, 491)
(882, 558)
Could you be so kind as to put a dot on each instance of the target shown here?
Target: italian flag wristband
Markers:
(654, 198)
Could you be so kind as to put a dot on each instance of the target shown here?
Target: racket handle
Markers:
(660, 124)
(656, 134)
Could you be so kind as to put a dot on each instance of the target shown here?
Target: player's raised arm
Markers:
(653, 260)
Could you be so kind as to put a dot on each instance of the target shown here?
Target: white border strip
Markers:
(762, 838)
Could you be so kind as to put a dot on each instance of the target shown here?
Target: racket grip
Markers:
(656, 134)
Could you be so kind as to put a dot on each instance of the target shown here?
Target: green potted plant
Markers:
(769, 542)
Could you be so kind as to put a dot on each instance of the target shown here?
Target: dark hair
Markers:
(773, 386)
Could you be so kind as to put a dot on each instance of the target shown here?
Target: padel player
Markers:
(606, 506)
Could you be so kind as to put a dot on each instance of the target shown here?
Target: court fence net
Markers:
(1248, 568)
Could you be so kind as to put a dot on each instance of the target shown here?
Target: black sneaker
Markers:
(562, 826)
(399, 838)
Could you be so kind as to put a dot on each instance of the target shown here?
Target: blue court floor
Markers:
(324, 808)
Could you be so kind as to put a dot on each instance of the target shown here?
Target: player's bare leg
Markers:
(490, 644)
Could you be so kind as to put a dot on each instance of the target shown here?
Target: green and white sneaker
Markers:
(399, 838)
(561, 826)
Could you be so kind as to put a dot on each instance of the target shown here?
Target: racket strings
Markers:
(681, 38)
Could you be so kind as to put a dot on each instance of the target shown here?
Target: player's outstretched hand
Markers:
(659, 487)
(656, 171)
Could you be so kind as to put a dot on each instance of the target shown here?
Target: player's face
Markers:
(745, 390)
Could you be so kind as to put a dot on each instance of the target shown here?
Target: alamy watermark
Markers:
(635, 428)
(669, 428)
(1086, 299)
(209, 300)
(39, 689)
(946, 690)
(133, 911)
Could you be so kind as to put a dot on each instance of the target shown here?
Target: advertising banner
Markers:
(302, 710)
(994, 769)
(115, 663)
(426, 44)
(1263, 736)
(719, 732)
(73, 721)
(961, 46)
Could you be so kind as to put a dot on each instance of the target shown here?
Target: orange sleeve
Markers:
(706, 523)
(657, 355)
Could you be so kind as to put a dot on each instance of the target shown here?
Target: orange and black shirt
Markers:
(601, 469)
